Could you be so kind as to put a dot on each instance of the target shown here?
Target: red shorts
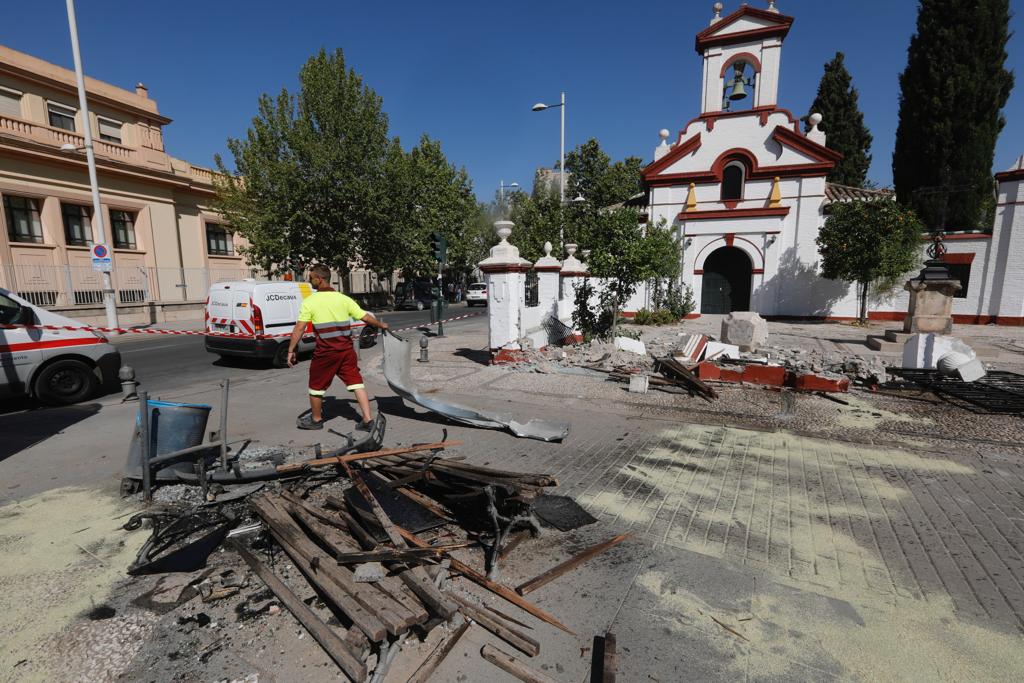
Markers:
(337, 359)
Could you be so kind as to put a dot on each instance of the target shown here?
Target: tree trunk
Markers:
(863, 302)
(615, 322)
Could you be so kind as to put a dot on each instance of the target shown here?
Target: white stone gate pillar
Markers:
(548, 271)
(505, 274)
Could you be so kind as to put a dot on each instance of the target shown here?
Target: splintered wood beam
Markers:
(343, 459)
(507, 662)
(496, 588)
(528, 646)
(553, 573)
(330, 641)
(405, 555)
(422, 674)
(414, 577)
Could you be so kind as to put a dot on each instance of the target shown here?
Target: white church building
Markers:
(745, 191)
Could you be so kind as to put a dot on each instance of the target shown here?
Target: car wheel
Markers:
(64, 382)
(281, 356)
(368, 337)
(419, 306)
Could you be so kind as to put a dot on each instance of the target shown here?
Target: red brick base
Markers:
(771, 375)
(503, 356)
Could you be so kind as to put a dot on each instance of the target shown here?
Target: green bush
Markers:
(659, 316)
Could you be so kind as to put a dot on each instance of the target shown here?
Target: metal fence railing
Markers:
(63, 286)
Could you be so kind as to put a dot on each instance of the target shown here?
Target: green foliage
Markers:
(843, 123)
(658, 316)
(538, 219)
(317, 179)
(310, 163)
(601, 182)
(951, 98)
(867, 242)
(675, 297)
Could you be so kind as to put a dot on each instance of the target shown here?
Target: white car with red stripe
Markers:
(259, 315)
(56, 366)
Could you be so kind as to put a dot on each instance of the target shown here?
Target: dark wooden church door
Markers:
(726, 282)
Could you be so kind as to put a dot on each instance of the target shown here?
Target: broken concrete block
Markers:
(922, 351)
(691, 346)
(718, 351)
(961, 365)
(631, 345)
(745, 329)
(368, 572)
(638, 384)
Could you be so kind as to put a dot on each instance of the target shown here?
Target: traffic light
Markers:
(439, 247)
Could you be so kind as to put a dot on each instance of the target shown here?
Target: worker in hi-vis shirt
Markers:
(337, 321)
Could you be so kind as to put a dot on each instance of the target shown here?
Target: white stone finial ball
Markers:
(504, 229)
(814, 119)
(547, 249)
(663, 133)
(718, 7)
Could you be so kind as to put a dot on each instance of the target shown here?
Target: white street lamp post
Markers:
(540, 106)
(97, 218)
(501, 190)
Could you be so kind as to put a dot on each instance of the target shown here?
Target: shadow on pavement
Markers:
(26, 429)
(481, 356)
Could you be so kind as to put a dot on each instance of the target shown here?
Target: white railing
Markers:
(58, 137)
(68, 286)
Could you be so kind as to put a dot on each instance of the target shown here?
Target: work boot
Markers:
(307, 422)
(365, 426)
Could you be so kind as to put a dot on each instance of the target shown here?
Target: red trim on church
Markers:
(742, 57)
(710, 36)
(680, 149)
(718, 214)
(958, 259)
(1013, 174)
(802, 143)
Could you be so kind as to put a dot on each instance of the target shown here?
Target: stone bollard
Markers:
(505, 273)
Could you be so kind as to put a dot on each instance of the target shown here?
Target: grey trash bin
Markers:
(172, 427)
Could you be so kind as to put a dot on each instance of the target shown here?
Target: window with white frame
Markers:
(23, 223)
(110, 130)
(77, 224)
(733, 176)
(61, 116)
(122, 225)
(10, 102)
(219, 240)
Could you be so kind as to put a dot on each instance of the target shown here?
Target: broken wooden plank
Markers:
(610, 660)
(434, 659)
(519, 641)
(494, 587)
(404, 555)
(512, 665)
(428, 503)
(674, 367)
(330, 641)
(366, 607)
(344, 459)
(390, 586)
(416, 578)
(553, 573)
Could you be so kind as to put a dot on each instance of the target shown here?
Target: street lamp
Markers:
(90, 157)
(540, 106)
(501, 190)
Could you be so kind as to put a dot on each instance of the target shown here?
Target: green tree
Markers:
(602, 183)
(843, 123)
(869, 242)
(951, 98)
(307, 169)
(538, 219)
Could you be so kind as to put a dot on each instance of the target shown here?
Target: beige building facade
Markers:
(168, 243)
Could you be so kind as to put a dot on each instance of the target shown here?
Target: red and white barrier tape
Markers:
(128, 330)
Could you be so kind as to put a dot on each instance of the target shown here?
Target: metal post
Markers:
(561, 182)
(90, 157)
(440, 300)
(224, 386)
(147, 485)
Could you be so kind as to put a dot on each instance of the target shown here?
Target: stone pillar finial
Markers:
(570, 249)
(815, 133)
(691, 197)
(503, 229)
(772, 7)
(717, 8)
(547, 249)
(663, 148)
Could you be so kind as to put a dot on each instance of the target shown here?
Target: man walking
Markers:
(337, 321)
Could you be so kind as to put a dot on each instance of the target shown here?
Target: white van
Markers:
(58, 367)
(258, 309)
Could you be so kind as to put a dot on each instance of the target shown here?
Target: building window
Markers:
(10, 102)
(110, 130)
(122, 225)
(732, 181)
(961, 272)
(218, 240)
(61, 117)
(23, 223)
(77, 224)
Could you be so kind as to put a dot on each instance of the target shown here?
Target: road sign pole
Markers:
(440, 300)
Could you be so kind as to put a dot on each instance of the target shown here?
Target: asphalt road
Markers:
(164, 364)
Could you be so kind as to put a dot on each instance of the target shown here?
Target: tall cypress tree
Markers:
(843, 123)
(951, 98)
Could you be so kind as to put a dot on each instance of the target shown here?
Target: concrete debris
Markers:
(369, 572)
(638, 384)
(922, 351)
(746, 329)
(719, 351)
(632, 345)
(692, 346)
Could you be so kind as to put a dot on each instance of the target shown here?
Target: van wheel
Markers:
(65, 382)
(281, 356)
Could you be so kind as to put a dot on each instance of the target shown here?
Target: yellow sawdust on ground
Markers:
(63, 550)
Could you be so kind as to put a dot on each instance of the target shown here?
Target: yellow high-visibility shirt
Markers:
(332, 314)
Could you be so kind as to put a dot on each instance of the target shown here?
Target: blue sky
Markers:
(467, 73)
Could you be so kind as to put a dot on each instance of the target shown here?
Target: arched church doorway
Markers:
(726, 281)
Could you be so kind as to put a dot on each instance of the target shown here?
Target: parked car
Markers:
(58, 367)
(477, 294)
(418, 295)
(260, 309)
